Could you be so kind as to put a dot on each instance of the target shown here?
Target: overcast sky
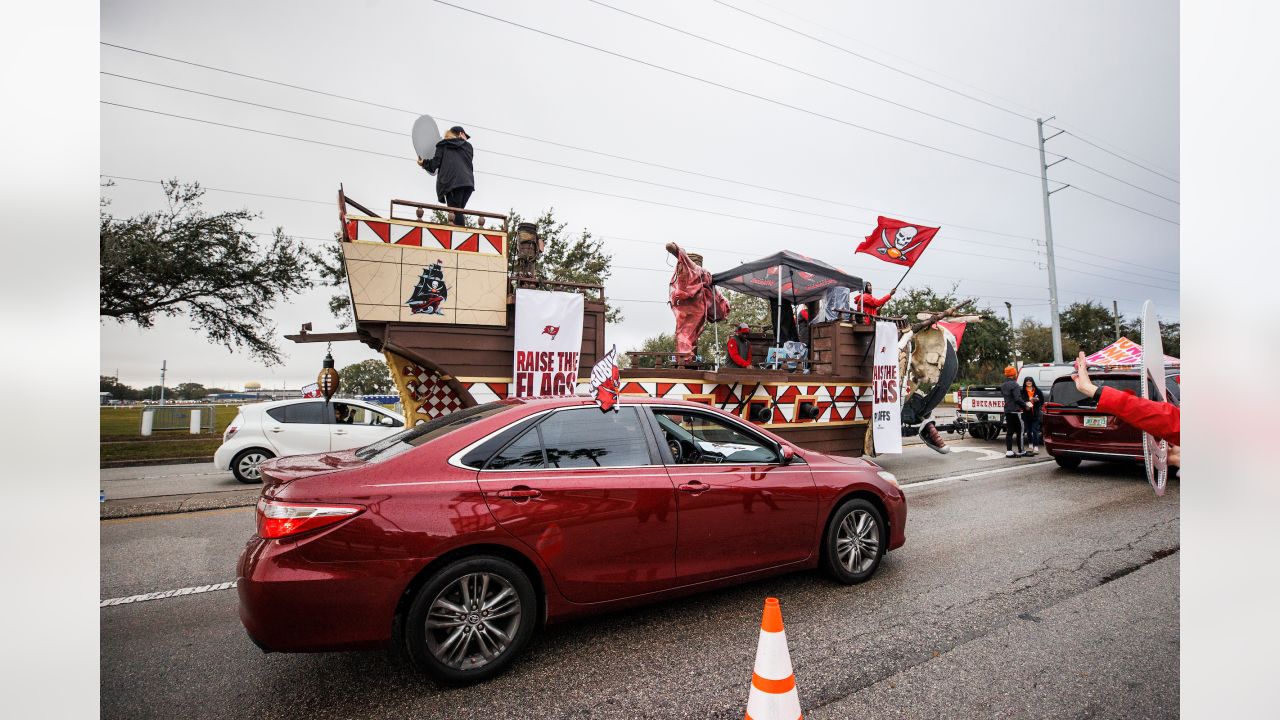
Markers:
(1107, 70)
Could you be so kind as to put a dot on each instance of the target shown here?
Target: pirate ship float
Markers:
(438, 300)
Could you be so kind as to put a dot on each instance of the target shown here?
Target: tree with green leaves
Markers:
(190, 391)
(367, 377)
(743, 308)
(1035, 342)
(119, 391)
(183, 261)
(1091, 324)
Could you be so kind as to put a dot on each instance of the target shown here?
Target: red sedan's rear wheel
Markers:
(470, 620)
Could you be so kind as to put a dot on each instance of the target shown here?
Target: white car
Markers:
(262, 431)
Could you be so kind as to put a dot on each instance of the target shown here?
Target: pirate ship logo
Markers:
(430, 292)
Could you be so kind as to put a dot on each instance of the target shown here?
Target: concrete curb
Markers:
(170, 504)
(105, 464)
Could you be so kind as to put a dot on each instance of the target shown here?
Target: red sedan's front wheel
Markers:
(854, 542)
(470, 620)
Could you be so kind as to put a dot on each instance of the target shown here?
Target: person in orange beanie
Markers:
(1014, 404)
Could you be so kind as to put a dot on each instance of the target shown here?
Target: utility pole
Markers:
(163, 366)
(1115, 309)
(1055, 323)
(1013, 335)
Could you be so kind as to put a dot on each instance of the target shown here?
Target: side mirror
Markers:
(787, 454)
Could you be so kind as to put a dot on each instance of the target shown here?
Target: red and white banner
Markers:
(548, 343)
(897, 242)
(886, 392)
(311, 391)
(605, 381)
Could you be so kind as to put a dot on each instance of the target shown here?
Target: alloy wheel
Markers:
(248, 465)
(473, 620)
(857, 541)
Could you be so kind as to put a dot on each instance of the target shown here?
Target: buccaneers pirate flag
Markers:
(897, 242)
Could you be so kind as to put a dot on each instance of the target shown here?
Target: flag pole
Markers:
(904, 277)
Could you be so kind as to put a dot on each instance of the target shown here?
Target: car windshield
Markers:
(426, 432)
(1065, 393)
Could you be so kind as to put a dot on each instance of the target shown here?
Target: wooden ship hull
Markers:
(463, 356)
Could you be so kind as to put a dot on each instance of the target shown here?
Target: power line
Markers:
(829, 81)
(1117, 155)
(1126, 182)
(896, 56)
(872, 60)
(738, 91)
(528, 137)
(1117, 202)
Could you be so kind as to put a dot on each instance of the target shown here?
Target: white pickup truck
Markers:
(981, 407)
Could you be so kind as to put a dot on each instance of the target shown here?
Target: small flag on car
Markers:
(606, 381)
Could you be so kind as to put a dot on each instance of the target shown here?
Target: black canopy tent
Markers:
(786, 276)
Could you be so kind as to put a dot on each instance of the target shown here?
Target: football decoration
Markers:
(328, 379)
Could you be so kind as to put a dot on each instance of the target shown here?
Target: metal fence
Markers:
(178, 417)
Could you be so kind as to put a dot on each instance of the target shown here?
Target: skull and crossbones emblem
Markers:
(901, 243)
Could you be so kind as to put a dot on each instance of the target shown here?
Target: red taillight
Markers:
(282, 519)
(231, 430)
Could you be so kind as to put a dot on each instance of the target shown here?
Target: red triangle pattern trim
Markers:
(499, 389)
(664, 388)
(633, 388)
(471, 244)
(413, 237)
(444, 237)
(495, 241)
(864, 408)
(381, 229)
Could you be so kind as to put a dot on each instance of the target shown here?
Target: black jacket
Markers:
(452, 165)
(1038, 400)
(1014, 399)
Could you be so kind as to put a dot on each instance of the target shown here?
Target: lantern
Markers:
(328, 379)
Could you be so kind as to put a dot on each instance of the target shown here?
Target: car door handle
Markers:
(696, 487)
(519, 492)
(277, 429)
(339, 432)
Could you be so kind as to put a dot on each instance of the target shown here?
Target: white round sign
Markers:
(425, 137)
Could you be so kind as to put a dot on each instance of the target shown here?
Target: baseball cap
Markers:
(457, 130)
(743, 327)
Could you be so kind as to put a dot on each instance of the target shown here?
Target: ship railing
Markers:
(419, 209)
(593, 292)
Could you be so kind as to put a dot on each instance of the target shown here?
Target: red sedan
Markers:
(458, 537)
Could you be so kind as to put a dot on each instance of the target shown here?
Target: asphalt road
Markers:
(1023, 592)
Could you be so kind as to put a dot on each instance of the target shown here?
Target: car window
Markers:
(523, 454)
(586, 437)
(368, 416)
(1065, 393)
(314, 413)
(696, 438)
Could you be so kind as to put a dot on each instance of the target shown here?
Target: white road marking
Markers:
(164, 594)
(985, 453)
(165, 477)
(966, 476)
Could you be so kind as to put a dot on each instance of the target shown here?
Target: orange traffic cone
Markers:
(773, 685)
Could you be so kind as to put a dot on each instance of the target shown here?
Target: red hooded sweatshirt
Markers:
(1161, 419)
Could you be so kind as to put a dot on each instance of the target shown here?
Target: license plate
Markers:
(1095, 421)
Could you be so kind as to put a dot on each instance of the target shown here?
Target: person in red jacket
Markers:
(870, 304)
(1161, 419)
(740, 347)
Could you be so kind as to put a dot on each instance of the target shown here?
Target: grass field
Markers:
(125, 423)
(120, 434)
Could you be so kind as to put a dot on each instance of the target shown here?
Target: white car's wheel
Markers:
(245, 465)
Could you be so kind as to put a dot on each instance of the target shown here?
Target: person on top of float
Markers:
(455, 174)
(740, 347)
(802, 326)
(870, 304)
